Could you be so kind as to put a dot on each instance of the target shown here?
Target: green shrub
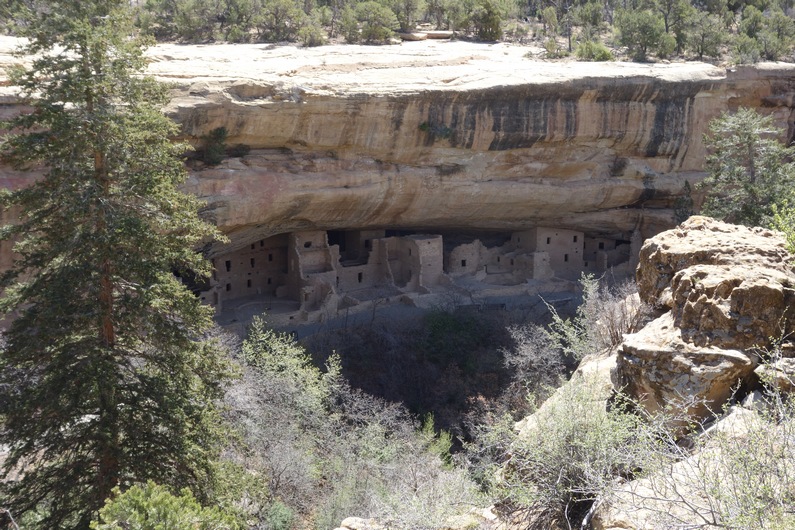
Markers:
(376, 21)
(329, 451)
(706, 35)
(152, 507)
(214, 149)
(666, 46)
(487, 20)
(577, 448)
(349, 26)
(554, 49)
(279, 517)
(593, 51)
(549, 17)
(746, 50)
(280, 20)
(640, 31)
(311, 34)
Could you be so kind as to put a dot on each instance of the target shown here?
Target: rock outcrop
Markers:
(728, 293)
(724, 296)
(446, 135)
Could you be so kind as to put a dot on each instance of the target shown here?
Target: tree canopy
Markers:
(107, 381)
(750, 169)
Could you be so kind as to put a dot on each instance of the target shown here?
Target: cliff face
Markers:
(453, 135)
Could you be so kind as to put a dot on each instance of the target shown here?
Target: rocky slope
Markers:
(721, 342)
(446, 135)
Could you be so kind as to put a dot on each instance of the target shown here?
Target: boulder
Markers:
(727, 292)
(358, 523)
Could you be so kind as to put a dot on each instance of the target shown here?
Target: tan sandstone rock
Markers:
(729, 293)
(432, 134)
(697, 490)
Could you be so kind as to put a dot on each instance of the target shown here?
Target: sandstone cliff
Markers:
(446, 135)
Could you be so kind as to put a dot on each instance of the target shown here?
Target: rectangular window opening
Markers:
(549, 240)
(248, 283)
(228, 264)
(252, 262)
(601, 245)
(361, 277)
(463, 263)
(575, 239)
(228, 286)
(565, 257)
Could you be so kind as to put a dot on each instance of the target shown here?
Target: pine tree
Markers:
(107, 380)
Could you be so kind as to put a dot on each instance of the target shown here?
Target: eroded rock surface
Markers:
(430, 135)
(728, 293)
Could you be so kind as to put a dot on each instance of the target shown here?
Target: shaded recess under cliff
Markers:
(439, 136)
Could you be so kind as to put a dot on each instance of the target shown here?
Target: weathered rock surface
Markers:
(686, 493)
(729, 293)
(431, 135)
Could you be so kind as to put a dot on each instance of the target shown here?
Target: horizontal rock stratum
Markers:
(446, 135)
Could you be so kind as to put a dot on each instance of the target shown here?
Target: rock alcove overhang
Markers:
(446, 136)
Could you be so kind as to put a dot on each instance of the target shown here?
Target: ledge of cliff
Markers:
(445, 135)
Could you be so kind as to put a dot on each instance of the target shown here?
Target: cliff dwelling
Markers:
(314, 276)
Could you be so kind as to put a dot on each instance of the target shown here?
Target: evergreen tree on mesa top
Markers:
(107, 381)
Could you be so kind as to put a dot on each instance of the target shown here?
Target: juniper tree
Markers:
(750, 170)
(107, 383)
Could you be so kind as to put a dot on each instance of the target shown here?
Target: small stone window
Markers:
(307, 244)
(601, 245)
(565, 257)
(228, 286)
(248, 283)
(228, 266)
(261, 243)
(549, 240)
(409, 252)
(252, 246)
(463, 263)
(361, 277)
(498, 259)
(368, 244)
(575, 239)
(270, 257)
(269, 281)
(252, 262)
